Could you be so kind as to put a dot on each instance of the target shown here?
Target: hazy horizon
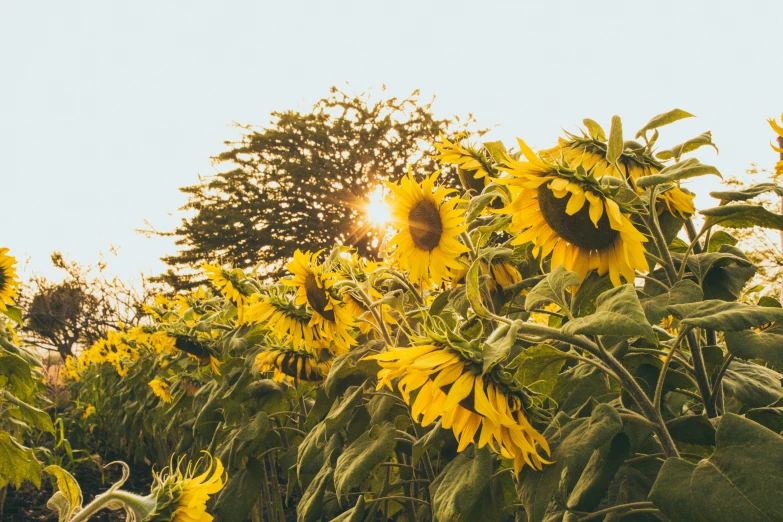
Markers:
(108, 109)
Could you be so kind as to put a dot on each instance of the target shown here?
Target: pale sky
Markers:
(107, 108)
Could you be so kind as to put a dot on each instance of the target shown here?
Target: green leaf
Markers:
(38, 419)
(692, 429)
(766, 345)
(689, 168)
(68, 488)
(720, 238)
(14, 313)
(682, 292)
(498, 345)
(17, 463)
(538, 368)
(615, 145)
(341, 411)
(618, 312)
(595, 130)
(702, 140)
(497, 150)
(750, 385)
(362, 456)
(748, 193)
(664, 119)
(552, 289)
(742, 216)
(573, 442)
(473, 289)
(15, 374)
(459, 487)
(355, 514)
(671, 492)
(701, 264)
(742, 480)
(310, 506)
(723, 316)
(598, 474)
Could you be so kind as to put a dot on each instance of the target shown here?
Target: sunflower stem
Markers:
(635, 507)
(702, 380)
(624, 376)
(660, 241)
(666, 362)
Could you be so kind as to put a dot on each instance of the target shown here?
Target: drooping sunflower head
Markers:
(182, 496)
(573, 219)
(441, 382)
(364, 273)
(314, 290)
(429, 225)
(299, 365)
(9, 284)
(779, 149)
(635, 162)
(161, 389)
(474, 166)
(231, 284)
(285, 319)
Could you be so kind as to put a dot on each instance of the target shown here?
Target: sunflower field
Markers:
(565, 338)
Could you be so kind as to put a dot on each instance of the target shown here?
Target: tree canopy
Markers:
(302, 182)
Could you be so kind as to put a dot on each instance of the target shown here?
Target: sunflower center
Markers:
(578, 229)
(317, 298)
(425, 224)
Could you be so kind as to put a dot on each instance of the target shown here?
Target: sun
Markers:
(377, 211)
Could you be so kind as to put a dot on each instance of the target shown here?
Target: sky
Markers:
(107, 108)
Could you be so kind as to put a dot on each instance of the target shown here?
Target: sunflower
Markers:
(779, 131)
(296, 364)
(579, 225)
(426, 244)
(230, 283)
(500, 270)
(9, 284)
(160, 389)
(88, 412)
(285, 320)
(313, 289)
(591, 154)
(474, 166)
(451, 387)
(182, 497)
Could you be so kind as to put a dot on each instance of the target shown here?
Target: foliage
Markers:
(81, 309)
(515, 375)
(302, 182)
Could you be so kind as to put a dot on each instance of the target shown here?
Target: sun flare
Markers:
(378, 212)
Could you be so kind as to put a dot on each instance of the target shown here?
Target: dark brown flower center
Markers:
(317, 298)
(425, 225)
(578, 229)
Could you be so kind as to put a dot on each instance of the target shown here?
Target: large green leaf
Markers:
(742, 216)
(685, 291)
(15, 375)
(362, 456)
(460, 486)
(724, 317)
(14, 313)
(766, 345)
(69, 489)
(36, 418)
(671, 492)
(241, 491)
(552, 289)
(664, 119)
(17, 463)
(702, 140)
(573, 442)
(749, 385)
(598, 474)
(538, 367)
(742, 480)
(618, 313)
(310, 506)
(748, 193)
(700, 264)
(689, 168)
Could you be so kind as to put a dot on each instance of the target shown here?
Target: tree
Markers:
(303, 182)
(80, 309)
